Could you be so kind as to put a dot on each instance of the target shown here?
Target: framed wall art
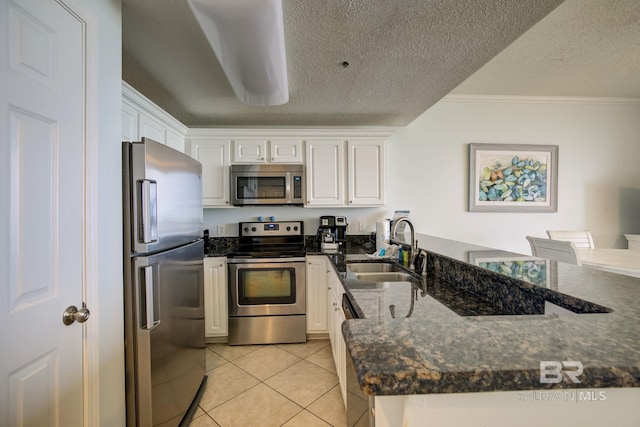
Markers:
(513, 178)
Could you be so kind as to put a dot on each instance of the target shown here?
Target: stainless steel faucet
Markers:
(414, 246)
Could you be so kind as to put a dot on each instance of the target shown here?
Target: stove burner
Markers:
(278, 239)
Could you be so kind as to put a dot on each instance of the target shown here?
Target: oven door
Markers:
(266, 287)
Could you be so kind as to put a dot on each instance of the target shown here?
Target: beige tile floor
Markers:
(286, 385)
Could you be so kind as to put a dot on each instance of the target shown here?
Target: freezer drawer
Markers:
(165, 348)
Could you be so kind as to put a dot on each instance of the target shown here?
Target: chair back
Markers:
(580, 238)
(556, 250)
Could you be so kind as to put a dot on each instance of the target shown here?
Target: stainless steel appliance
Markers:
(263, 184)
(267, 286)
(163, 284)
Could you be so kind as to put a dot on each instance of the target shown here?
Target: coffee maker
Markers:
(341, 232)
(326, 235)
(331, 235)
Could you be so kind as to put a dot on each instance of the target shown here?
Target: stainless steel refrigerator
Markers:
(163, 284)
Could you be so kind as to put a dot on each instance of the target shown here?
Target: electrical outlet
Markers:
(360, 226)
(220, 230)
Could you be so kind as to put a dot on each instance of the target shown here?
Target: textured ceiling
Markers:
(584, 48)
(405, 55)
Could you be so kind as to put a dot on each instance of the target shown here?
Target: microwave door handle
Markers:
(288, 189)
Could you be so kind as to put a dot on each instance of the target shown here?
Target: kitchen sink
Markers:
(385, 277)
(373, 267)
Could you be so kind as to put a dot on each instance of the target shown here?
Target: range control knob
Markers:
(295, 228)
(288, 228)
(253, 229)
(246, 229)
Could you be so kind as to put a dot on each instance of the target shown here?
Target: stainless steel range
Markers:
(267, 287)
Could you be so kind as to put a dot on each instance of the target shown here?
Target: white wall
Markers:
(105, 297)
(229, 217)
(598, 180)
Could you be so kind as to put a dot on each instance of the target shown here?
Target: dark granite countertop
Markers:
(461, 329)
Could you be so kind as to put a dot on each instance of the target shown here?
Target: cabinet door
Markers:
(214, 156)
(129, 123)
(150, 128)
(317, 294)
(325, 172)
(285, 150)
(215, 297)
(249, 151)
(338, 346)
(174, 140)
(341, 353)
(366, 164)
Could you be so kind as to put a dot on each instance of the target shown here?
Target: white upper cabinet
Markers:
(214, 155)
(130, 123)
(366, 172)
(150, 128)
(325, 172)
(141, 118)
(285, 150)
(267, 151)
(249, 151)
(343, 167)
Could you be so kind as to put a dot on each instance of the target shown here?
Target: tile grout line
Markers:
(263, 382)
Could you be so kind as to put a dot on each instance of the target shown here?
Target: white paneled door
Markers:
(42, 213)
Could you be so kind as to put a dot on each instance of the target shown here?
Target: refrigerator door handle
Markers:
(148, 221)
(148, 316)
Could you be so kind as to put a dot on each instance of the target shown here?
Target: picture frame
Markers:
(513, 178)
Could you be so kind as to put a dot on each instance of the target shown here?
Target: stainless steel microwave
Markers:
(262, 184)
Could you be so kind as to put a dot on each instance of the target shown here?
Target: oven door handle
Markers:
(264, 260)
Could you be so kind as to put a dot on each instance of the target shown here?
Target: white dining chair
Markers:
(555, 250)
(580, 238)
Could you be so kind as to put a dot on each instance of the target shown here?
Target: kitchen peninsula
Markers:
(467, 347)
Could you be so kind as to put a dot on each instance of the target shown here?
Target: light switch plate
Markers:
(220, 230)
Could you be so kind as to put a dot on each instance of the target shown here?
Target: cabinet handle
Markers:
(329, 287)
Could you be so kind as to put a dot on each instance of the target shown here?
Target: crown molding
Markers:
(141, 103)
(541, 99)
(293, 132)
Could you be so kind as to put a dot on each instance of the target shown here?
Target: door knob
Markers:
(72, 314)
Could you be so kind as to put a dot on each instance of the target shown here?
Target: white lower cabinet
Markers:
(324, 311)
(215, 297)
(317, 294)
(336, 318)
